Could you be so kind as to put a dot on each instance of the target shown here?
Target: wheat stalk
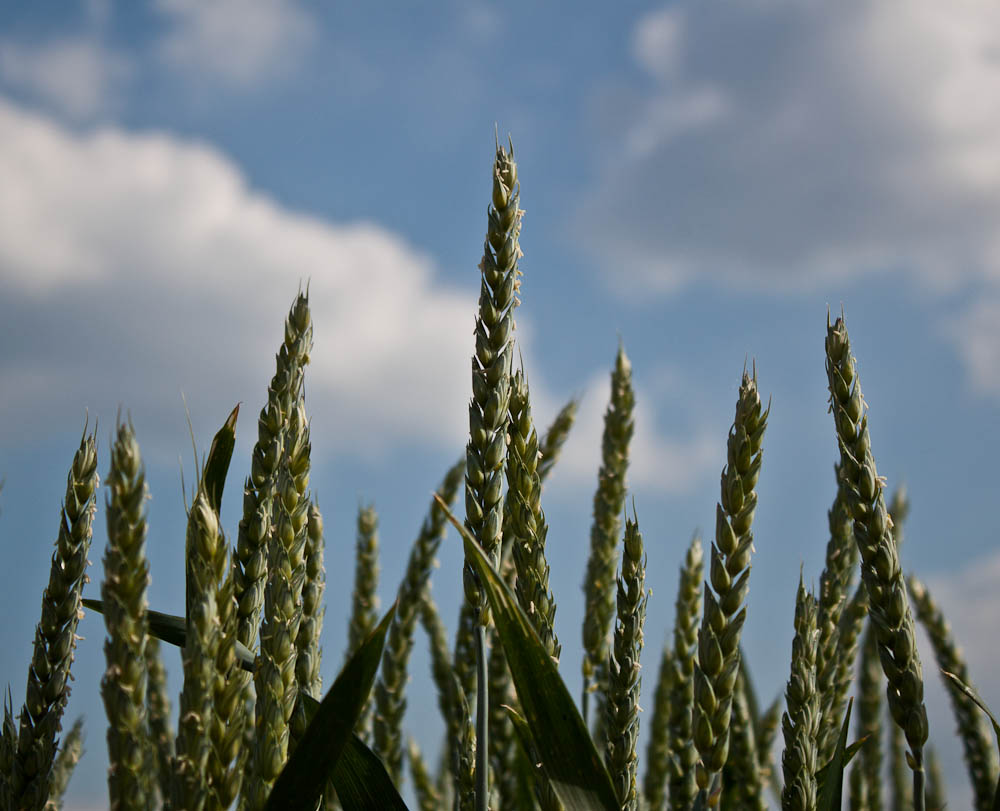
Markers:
(623, 670)
(609, 502)
(729, 578)
(390, 697)
(800, 721)
(687, 616)
(126, 578)
(889, 610)
(977, 742)
(30, 772)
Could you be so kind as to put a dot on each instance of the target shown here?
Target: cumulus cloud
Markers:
(77, 76)
(236, 41)
(786, 145)
(133, 267)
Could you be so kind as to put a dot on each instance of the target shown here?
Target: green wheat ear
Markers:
(390, 689)
(729, 581)
(70, 752)
(977, 742)
(889, 610)
(609, 504)
(623, 669)
(126, 578)
(29, 778)
(801, 719)
(161, 735)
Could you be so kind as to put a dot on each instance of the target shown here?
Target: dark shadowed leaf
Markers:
(220, 454)
(832, 789)
(561, 740)
(315, 759)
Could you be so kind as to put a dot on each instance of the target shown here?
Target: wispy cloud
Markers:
(79, 77)
(241, 42)
(783, 145)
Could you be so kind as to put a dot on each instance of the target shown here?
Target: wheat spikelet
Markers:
(126, 578)
(550, 445)
(801, 719)
(390, 698)
(623, 670)
(729, 578)
(889, 610)
(687, 616)
(29, 777)
(161, 736)
(70, 752)
(609, 503)
(977, 742)
(308, 655)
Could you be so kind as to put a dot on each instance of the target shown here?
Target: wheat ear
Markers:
(729, 581)
(70, 752)
(390, 689)
(48, 689)
(205, 562)
(609, 503)
(625, 679)
(801, 719)
(977, 741)
(869, 719)
(741, 776)
(935, 782)
(687, 616)
(428, 798)
(657, 760)
(308, 652)
(161, 735)
(550, 445)
(889, 610)
(126, 578)
(834, 582)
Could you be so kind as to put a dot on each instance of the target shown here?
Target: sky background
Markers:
(701, 180)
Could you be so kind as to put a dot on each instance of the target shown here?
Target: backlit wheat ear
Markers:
(889, 610)
(70, 752)
(687, 616)
(161, 735)
(550, 445)
(364, 602)
(55, 637)
(901, 797)
(977, 740)
(390, 695)
(276, 686)
(308, 654)
(657, 761)
(428, 798)
(801, 719)
(729, 580)
(625, 679)
(126, 578)
(205, 553)
(834, 582)
(609, 503)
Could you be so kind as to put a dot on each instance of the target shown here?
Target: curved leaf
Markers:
(561, 740)
(220, 454)
(316, 757)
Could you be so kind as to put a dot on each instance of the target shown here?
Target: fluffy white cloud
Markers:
(77, 76)
(787, 144)
(133, 267)
(239, 41)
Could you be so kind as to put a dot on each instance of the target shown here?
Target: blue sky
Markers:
(702, 180)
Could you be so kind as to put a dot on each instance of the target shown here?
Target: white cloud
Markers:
(238, 41)
(789, 144)
(976, 336)
(138, 266)
(78, 76)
